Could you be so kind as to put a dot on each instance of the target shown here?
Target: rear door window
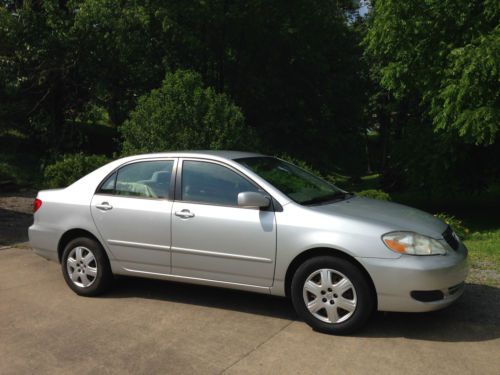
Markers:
(147, 179)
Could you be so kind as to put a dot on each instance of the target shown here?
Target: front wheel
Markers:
(332, 295)
(85, 267)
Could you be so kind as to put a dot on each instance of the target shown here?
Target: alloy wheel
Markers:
(81, 265)
(329, 296)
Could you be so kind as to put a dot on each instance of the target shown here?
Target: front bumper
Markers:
(397, 280)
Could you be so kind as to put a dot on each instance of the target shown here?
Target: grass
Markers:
(484, 255)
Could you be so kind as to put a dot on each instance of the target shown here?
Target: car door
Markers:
(132, 211)
(213, 238)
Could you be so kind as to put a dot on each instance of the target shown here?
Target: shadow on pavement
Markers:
(474, 317)
(14, 227)
(253, 303)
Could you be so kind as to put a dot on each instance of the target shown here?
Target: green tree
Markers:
(442, 57)
(436, 99)
(38, 85)
(183, 114)
(468, 100)
(121, 51)
(293, 67)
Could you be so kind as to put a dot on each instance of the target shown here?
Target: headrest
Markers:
(161, 176)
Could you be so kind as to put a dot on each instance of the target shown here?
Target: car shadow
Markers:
(474, 317)
(228, 299)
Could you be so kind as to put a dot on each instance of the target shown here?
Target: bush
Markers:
(182, 115)
(375, 194)
(456, 224)
(72, 167)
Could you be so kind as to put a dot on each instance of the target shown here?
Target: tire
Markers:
(339, 306)
(86, 268)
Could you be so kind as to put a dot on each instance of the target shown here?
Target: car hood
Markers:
(392, 215)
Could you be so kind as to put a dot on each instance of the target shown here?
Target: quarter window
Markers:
(212, 183)
(149, 179)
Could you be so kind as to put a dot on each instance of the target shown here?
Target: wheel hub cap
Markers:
(81, 265)
(330, 296)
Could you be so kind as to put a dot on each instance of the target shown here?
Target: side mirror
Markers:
(253, 199)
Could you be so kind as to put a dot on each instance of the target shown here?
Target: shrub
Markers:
(182, 114)
(456, 224)
(375, 194)
(70, 168)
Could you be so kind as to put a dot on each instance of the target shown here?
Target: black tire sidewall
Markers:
(364, 294)
(104, 276)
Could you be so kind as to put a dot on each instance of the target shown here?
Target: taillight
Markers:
(37, 204)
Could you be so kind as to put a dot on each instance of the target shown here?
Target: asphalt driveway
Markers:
(147, 326)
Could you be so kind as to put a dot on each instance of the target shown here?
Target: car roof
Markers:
(232, 155)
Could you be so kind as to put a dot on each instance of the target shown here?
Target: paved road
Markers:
(147, 326)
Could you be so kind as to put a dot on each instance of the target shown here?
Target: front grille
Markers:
(450, 238)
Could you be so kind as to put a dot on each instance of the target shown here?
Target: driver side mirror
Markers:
(253, 199)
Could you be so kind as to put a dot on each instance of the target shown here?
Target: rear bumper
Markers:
(43, 242)
(418, 283)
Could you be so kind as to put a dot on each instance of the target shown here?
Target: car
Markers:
(251, 222)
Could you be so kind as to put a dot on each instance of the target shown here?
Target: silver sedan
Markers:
(251, 222)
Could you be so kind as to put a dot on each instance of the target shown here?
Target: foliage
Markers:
(70, 168)
(468, 100)
(438, 164)
(375, 194)
(456, 224)
(38, 70)
(435, 65)
(182, 114)
(121, 51)
(439, 49)
(409, 92)
(293, 67)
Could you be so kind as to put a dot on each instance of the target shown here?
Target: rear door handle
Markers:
(185, 214)
(104, 206)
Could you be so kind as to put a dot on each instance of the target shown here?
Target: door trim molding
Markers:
(138, 244)
(220, 255)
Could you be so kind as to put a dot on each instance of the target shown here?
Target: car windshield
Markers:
(299, 185)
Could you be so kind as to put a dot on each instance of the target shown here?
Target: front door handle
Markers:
(104, 206)
(185, 214)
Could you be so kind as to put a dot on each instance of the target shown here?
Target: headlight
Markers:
(413, 244)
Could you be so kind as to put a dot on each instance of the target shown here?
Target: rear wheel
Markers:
(85, 267)
(332, 295)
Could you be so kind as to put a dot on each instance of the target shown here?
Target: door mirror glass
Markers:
(253, 199)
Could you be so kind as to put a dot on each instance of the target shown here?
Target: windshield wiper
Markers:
(338, 195)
